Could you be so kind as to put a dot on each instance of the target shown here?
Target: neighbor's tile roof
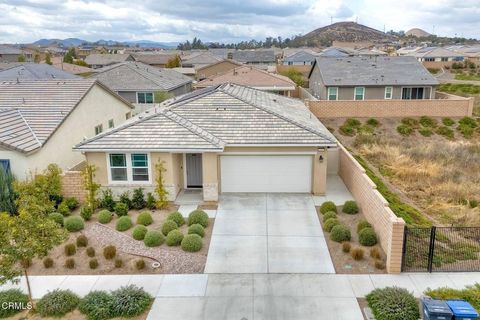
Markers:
(107, 59)
(218, 116)
(373, 71)
(137, 76)
(258, 56)
(153, 58)
(300, 56)
(4, 49)
(34, 71)
(200, 58)
(435, 52)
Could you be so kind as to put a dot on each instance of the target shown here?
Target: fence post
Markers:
(431, 249)
(404, 249)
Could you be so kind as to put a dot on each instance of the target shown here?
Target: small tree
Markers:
(90, 186)
(160, 96)
(8, 196)
(162, 193)
(174, 62)
(21, 58)
(48, 58)
(36, 57)
(294, 75)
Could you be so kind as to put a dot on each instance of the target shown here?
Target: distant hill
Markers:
(417, 32)
(77, 42)
(63, 42)
(342, 31)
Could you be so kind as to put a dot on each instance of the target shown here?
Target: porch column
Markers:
(319, 180)
(210, 176)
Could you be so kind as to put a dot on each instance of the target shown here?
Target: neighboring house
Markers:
(34, 71)
(58, 63)
(301, 58)
(138, 82)
(40, 121)
(97, 60)
(11, 54)
(261, 58)
(370, 78)
(159, 60)
(437, 54)
(336, 52)
(252, 77)
(199, 59)
(471, 53)
(226, 138)
(217, 68)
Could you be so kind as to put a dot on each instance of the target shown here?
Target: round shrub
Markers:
(426, 132)
(448, 122)
(47, 263)
(192, 243)
(196, 229)
(70, 249)
(340, 233)
(63, 209)
(93, 263)
(174, 238)
(86, 213)
(130, 301)
(121, 209)
(328, 215)
(428, 122)
(168, 226)
(357, 254)
(118, 263)
(405, 130)
(71, 203)
(145, 218)
(330, 223)
(74, 224)
(109, 252)
(69, 263)
(140, 264)
(9, 296)
(375, 253)
(90, 252)
(362, 224)
(177, 217)
(124, 223)
(410, 122)
(346, 246)
(97, 305)
(350, 207)
(57, 217)
(445, 131)
(104, 216)
(139, 232)
(153, 238)
(373, 122)
(328, 206)
(82, 241)
(198, 216)
(367, 237)
(57, 303)
(393, 303)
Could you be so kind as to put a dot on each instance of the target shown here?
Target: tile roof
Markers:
(153, 58)
(300, 56)
(34, 71)
(4, 49)
(215, 117)
(435, 52)
(107, 59)
(200, 58)
(133, 76)
(258, 56)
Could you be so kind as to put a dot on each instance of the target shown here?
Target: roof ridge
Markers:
(28, 126)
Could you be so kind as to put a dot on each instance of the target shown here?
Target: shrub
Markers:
(69, 263)
(86, 213)
(153, 238)
(357, 253)
(104, 216)
(138, 199)
(328, 206)
(57, 217)
(347, 131)
(367, 237)
(469, 293)
(375, 253)
(74, 224)
(373, 122)
(340, 233)
(145, 218)
(63, 209)
(473, 203)
(379, 264)
(177, 217)
(130, 301)
(121, 209)
(47, 263)
(466, 131)
(97, 305)
(140, 264)
(196, 229)
(350, 207)
(107, 201)
(174, 238)
(448, 122)
(330, 223)
(445, 131)
(363, 224)
(410, 122)
(352, 122)
(90, 252)
(9, 296)
(426, 132)
(57, 303)
(428, 122)
(346, 246)
(118, 263)
(139, 232)
(125, 199)
(392, 303)
(124, 223)
(109, 252)
(93, 263)
(70, 249)
(168, 226)
(71, 203)
(468, 121)
(328, 215)
(82, 241)
(404, 130)
(150, 204)
(198, 216)
(192, 243)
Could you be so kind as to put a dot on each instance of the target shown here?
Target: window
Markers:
(332, 93)
(139, 167)
(98, 129)
(412, 93)
(129, 167)
(388, 92)
(359, 93)
(111, 124)
(144, 97)
(118, 167)
(5, 164)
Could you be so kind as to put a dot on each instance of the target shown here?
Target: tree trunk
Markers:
(28, 286)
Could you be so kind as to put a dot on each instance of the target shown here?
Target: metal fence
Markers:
(438, 249)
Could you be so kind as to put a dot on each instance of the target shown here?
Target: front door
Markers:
(194, 170)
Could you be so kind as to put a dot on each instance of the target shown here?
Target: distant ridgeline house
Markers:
(371, 78)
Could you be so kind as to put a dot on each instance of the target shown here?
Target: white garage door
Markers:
(266, 173)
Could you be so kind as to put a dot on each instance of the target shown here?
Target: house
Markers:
(159, 60)
(259, 58)
(437, 54)
(40, 121)
(34, 71)
(58, 63)
(300, 58)
(199, 59)
(97, 60)
(370, 78)
(12, 54)
(138, 82)
(252, 77)
(217, 68)
(336, 52)
(225, 138)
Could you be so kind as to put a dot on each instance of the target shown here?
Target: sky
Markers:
(24, 21)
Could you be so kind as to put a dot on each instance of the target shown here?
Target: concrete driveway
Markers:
(267, 233)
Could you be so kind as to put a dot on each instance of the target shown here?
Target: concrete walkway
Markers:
(252, 296)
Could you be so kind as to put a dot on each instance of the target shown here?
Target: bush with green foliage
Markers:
(109, 252)
(177, 217)
(328, 206)
(328, 215)
(445, 131)
(90, 252)
(469, 293)
(347, 131)
(153, 238)
(466, 131)
(93, 264)
(198, 216)
(192, 243)
(57, 217)
(150, 203)
(74, 224)
(86, 213)
(362, 224)
(340, 233)
(350, 207)
(47, 263)
(294, 75)
(174, 238)
(138, 199)
(130, 301)
(82, 241)
(393, 303)
(63, 209)
(405, 130)
(196, 229)
(426, 132)
(373, 122)
(70, 249)
(330, 223)
(367, 237)
(125, 198)
(106, 201)
(168, 226)
(123, 223)
(12, 296)
(410, 122)
(139, 232)
(57, 303)
(145, 218)
(468, 121)
(121, 209)
(448, 122)
(104, 216)
(71, 203)
(97, 305)
(428, 122)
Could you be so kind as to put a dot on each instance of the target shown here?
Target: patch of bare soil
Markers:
(74, 315)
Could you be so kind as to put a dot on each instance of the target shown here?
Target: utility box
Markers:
(436, 310)
(462, 310)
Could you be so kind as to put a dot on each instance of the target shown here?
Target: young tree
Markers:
(174, 62)
(8, 196)
(160, 96)
(21, 58)
(91, 187)
(48, 58)
(294, 75)
(162, 201)
(36, 57)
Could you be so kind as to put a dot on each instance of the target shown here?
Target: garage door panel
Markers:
(258, 173)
